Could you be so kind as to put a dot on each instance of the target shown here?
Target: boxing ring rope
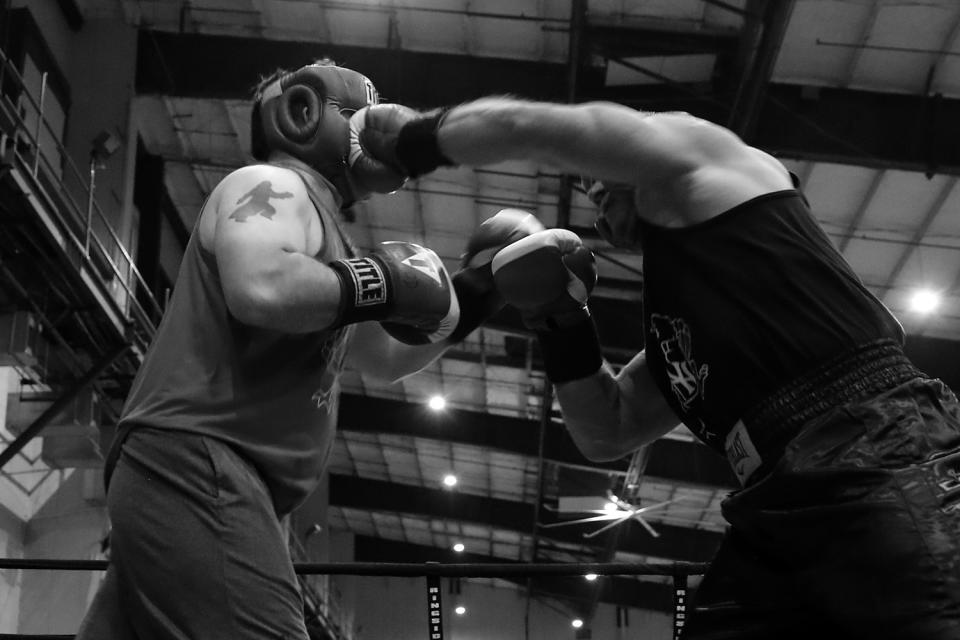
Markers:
(421, 569)
(433, 571)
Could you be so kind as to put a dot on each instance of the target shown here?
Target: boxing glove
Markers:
(473, 282)
(548, 277)
(371, 174)
(389, 140)
(402, 285)
(504, 228)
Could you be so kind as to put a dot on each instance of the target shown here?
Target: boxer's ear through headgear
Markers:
(299, 112)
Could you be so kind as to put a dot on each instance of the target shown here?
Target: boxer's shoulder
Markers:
(255, 193)
(267, 180)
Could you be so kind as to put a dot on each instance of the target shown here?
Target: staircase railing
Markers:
(84, 231)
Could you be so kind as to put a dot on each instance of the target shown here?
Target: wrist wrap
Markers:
(418, 150)
(365, 290)
(572, 352)
(478, 300)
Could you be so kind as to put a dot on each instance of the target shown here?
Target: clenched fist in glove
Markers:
(479, 299)
(548, 277)
(391, 141)
(405, 287)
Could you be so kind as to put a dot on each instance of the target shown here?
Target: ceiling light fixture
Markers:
(576, 623)
(616, 514)
(590, 577)
(460, 610)
(450, 480)
(437, 403)
(925, 301)
(458, 547)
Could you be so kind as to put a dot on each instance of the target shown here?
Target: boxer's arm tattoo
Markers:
(257, 202)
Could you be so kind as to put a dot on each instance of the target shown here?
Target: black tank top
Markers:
(272, 396)
(739, 305)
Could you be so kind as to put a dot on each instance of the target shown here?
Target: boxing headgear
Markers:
(305, 113)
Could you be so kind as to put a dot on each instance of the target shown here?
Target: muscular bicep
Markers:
(263, 220)
(614, 143)
(611, 414)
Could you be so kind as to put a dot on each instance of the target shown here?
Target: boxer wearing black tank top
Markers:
(759, 337)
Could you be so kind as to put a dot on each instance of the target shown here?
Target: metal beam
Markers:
(862, 208)
(842, 125)
(856, 53)
(864, 128)
(575, 59)
(674, 543)
(670, 460)
(658, 38)
(192, 65)
(60, 404)
(749, 97)
(946, 45)
(615, 590)
(936, 207)
(71, 13)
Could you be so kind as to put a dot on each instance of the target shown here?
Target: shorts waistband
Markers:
(865, 371)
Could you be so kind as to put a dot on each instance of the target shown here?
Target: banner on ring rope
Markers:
(434, 609)
(679, 605)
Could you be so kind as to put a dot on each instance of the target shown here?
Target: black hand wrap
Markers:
(479, 299)
(418, 150)
(571, 353)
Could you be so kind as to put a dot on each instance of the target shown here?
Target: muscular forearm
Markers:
(486, 131)
(608, 415)
(380, 356)
(297, 294)
(592, 413)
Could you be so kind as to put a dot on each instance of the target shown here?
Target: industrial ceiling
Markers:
(859, 98)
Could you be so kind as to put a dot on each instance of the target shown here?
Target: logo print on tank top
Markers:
(334, 349)
(687, 379)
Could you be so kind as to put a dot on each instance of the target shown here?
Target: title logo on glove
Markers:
(368, 282)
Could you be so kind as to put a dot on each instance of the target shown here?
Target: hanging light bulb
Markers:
(925, 301)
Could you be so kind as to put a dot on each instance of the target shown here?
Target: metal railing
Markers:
(101, 252)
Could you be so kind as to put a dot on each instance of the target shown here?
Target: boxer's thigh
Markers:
(196, 545)
(892, 570)
(745, 597)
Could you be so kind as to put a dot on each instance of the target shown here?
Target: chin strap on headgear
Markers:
(305, 113)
